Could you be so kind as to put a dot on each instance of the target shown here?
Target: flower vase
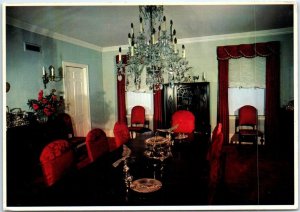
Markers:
(42, 119)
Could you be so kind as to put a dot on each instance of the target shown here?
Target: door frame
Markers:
(65, 64)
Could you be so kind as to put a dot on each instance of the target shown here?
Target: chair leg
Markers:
(131, 134)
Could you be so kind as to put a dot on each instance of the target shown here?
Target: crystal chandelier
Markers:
(154, 50)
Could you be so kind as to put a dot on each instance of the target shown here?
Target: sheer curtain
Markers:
(247, 83)
(139, 98)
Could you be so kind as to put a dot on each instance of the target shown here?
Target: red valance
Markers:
(247, 50)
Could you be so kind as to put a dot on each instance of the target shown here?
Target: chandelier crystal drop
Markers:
(153, 49)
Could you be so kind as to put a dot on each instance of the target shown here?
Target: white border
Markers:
(97, 48)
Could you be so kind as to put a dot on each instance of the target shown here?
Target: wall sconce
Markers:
(51, 76)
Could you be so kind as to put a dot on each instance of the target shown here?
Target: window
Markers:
(139, 98)
(247, 84)
(237, 97)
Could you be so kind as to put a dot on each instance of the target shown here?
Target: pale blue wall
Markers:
(24, 69)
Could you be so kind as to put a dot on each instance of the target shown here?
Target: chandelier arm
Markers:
(152, 54)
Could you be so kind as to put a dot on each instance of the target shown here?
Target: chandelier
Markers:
(153, 49)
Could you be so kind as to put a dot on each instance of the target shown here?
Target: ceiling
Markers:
(106, 26)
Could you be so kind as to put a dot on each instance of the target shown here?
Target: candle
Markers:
(131, 28)
(183, 51)
(159, 28)
(141, 25)
(175, 45)
(153, 36)
(131, 51)
(43, 71)
(52, 71)
(164, 24)
(120, 50)
(129, 39)
(171, 25)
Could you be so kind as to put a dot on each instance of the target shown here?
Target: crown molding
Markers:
(45, 32)
(261, 33)
(48, 33)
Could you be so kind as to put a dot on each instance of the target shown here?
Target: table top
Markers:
(181, 179)
(183, 176)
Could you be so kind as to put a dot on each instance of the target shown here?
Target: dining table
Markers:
(136, 174)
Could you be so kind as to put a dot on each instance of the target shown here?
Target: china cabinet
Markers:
(188, 96)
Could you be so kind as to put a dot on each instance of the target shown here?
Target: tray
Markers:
(146, 185)
(156, 140)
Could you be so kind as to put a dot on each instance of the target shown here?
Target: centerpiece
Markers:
(45, 107)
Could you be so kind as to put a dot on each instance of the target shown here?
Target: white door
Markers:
(77, 103)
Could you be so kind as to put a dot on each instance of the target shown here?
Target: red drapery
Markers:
(121, 93)
(157, 116)
(270, 50)
(157, 101)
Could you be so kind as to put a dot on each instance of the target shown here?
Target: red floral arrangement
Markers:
(48, 105)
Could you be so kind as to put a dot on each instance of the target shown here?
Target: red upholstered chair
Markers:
(185, 121)
(247, 124)
(122, 136)
(215, 149)
(56, 159)
(217, 130)
(64, 129)
(96, 144)
(137, 121)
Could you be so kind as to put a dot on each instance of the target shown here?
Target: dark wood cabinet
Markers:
(188, 96)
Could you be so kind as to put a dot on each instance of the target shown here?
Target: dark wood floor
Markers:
(257, 175)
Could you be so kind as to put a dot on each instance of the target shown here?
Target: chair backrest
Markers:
(215, 166)
(138, 115)
(217, 130)
(215, 149)
(247, 115)
(57, 158)
(121, 133)
(185, 121)
(64, 125)
(96, 144)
